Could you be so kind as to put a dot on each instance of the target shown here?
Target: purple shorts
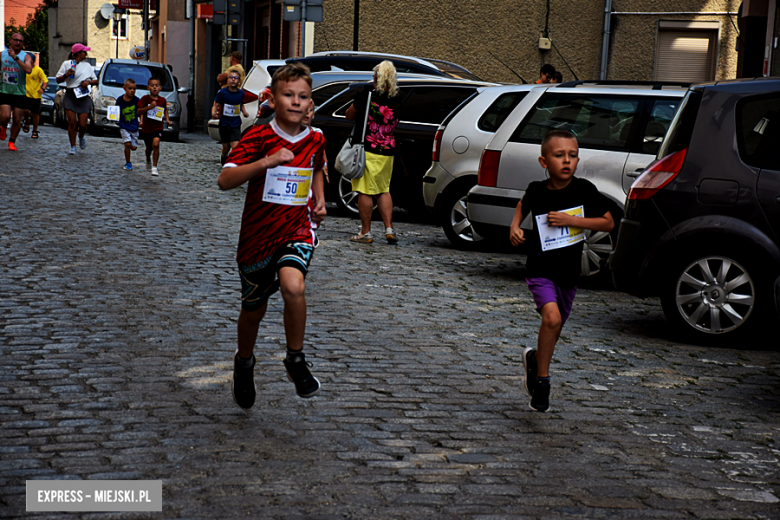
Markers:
(545, 291)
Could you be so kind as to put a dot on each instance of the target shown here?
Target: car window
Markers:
(52, 87)
(496, 113)
(117, 73)
(602, 122)
(661, 114)
(321, 94)
(341, 103)
(432, 104)
(758, 130)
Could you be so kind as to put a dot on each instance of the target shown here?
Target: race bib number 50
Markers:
(287, 186)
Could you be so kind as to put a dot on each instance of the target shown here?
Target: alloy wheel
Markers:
(715, 294)
(595, 251)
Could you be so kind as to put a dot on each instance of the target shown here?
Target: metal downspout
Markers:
(605, 42)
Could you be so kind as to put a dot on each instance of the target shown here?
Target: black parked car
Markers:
(702, 223)
(426, 102)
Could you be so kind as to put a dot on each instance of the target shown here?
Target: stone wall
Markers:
(479, 35)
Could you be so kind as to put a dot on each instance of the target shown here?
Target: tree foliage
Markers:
(35, 31)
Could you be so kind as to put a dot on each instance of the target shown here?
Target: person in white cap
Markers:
(78, 74)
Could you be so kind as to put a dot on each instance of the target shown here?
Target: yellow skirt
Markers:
(376, 177)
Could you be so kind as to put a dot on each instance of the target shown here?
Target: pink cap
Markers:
(78, 47)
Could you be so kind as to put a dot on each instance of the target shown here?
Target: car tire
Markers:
(595, 252)
(346, 198)
(713, 296)
(454, 219)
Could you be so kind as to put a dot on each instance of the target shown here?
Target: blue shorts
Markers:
(545, 291)
(261, 280)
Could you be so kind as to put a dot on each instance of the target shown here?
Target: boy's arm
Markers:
(214, 111)
(233, 177)
(603, 223)
(167, 119)
(243, 110)
(516, 233)
(318, 197)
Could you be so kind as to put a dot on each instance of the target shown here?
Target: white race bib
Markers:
(81, 92)
(156, 113)
(230, 110)
(287, 186)
(12, 78)
(554, 237)
(113, 113)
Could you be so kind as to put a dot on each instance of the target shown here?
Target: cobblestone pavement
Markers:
(117, 326)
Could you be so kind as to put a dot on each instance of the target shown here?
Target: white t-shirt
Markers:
(84, 71)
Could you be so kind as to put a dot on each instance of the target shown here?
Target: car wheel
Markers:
(595, 252)
(347, 199)
(454, 218)
(711, 296)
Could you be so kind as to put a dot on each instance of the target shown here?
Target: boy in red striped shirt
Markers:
(285, 201)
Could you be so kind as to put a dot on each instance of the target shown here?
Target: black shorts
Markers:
(148, 138)
(14, 101)
(229, 134)
(34, 105)
(261, 280)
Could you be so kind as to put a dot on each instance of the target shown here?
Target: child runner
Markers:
(282, 161)
(231, 99)
(555, 249)
(154, 109)
(128, 120)
(36, 86)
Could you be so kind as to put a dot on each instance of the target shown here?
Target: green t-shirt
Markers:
(14, 80)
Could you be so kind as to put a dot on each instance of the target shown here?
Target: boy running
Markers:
(231, 99)
(282, 161)
(36, 86)
(128, 120)
(555, 251)
(154, 109)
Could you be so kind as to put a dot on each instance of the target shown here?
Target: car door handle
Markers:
(635, 173)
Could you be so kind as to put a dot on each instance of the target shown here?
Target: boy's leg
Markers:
(156, 151)
(248, 325)
(549, 332)
(127, 152)
(292, 286)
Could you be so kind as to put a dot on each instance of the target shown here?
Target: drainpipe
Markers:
(191, 79)
(605, 42)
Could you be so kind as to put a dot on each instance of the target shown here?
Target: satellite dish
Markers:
(107, 11)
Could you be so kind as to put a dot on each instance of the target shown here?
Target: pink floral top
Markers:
(383, 116)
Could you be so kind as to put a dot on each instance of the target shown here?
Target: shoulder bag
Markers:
(351, 160)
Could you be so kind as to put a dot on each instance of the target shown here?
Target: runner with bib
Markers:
(231, 101)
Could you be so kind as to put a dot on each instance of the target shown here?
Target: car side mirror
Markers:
(183, 90)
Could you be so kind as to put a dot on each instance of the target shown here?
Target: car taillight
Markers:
(437, 146)
(488, 168)
(657, 175)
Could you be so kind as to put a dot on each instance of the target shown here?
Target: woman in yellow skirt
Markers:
(383, 116)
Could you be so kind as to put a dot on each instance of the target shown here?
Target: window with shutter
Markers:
(686, 51)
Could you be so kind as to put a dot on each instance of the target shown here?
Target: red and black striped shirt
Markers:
(264, 225)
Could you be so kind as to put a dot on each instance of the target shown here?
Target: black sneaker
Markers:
(243, 383)
(529, 363)
(540, 401)
(306, 385)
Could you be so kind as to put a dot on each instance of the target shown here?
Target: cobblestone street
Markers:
(119, 301)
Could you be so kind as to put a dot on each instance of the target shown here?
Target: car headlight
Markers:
(107, 101)
(172, 108)
(47, 102)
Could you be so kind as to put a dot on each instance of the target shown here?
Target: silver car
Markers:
(619, 129)
(457, 148)
(111, 80)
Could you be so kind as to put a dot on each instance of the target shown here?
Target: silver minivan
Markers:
(619, 127)
(111, 80)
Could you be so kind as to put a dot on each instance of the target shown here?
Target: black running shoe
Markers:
(243, 384)
(306, 385)
(540, 401)
(529, 363)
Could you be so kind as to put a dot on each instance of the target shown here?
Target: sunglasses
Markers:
(17, 40)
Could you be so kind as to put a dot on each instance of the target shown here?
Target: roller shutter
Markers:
(685, 56)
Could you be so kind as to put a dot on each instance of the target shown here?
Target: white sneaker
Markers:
(154, 171)
(72, 150)
(83, 142)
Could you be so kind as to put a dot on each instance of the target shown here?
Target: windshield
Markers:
(52, 87)
(117, 73)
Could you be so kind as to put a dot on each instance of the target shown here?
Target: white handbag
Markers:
(351, 160)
